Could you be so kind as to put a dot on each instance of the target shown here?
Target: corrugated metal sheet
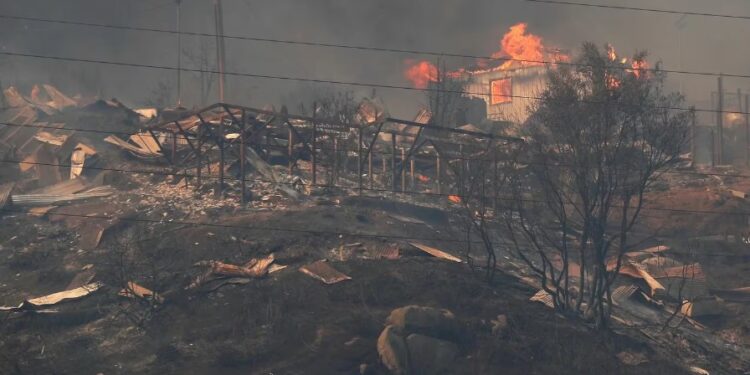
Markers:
(47, 199)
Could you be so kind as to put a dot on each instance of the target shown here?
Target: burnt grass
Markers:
(286, 323)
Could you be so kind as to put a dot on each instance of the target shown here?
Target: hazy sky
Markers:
(469, 26)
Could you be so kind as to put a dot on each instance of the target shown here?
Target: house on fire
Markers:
(507, 91)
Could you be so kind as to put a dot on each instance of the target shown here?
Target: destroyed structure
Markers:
(62, 158)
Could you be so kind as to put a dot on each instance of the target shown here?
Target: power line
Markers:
(337, 82)
(653, 10)
(355, 47)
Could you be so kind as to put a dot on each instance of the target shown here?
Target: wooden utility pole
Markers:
(335, 174)
(720, 123)
(403, 170)
(219, 25)
(242, 157)
(369, 167)
(747, 129)
(314, 142)
(359, 159)
(693, 135)
(220, 191)
(393, 161)
(179, 56)
(713, 148)
(438, 167)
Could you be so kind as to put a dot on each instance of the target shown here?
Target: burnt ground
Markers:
(286, 323)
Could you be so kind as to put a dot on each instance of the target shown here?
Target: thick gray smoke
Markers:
(471, 27)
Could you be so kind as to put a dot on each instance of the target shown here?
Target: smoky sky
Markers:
(472, 27)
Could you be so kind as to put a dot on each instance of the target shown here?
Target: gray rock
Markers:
(429, 355)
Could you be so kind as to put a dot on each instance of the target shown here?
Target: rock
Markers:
(429, 355)
(499, 325)
(392, 351)
(428, 321)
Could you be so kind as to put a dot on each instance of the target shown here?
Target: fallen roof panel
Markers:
(435, 252)
(49, 199)
(55, 298)
(322, 271)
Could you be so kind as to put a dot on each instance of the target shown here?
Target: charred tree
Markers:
(601, 134)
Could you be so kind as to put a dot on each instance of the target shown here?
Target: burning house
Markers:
(508, 82)
(507, 92)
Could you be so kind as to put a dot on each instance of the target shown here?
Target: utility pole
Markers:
(219, 24)
(747, 130)
(720, 123)
(680, 25)
(179, 56)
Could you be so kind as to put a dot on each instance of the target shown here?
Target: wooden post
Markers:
(198, 155)
(243, 188)
(494, 181)
(220, 191)
(393, 161)
(290, 149)
(335, 172)
(720, 123)
(411, 173)
(359, 160)
(461, 170)
(384, 164)
(174, 148)
(747, 129)
(369, 167)
(403, 170)
(314, 146)
(437, 173)
(713, 148)
(693, 139)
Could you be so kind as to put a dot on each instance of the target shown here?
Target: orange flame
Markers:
(420, 73)
(640, 68)
(517, 44)
(612, 82)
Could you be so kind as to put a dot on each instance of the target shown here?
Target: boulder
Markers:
(427, 321)
(393, 352)
(428, 355)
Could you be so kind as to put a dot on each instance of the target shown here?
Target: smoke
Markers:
(475, 27)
